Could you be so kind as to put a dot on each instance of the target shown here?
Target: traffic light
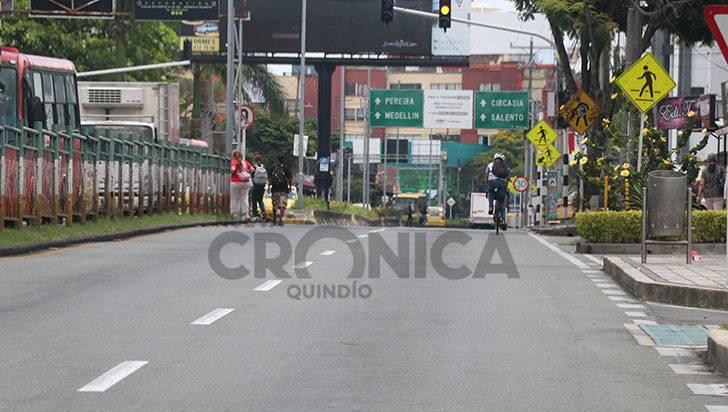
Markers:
(563, 98)
(387, 11)
(445, 11)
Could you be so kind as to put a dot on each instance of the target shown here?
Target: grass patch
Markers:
(312, 203)
(30, 235)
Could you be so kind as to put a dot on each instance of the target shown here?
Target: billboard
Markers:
(70, 8)
(204, 36)
(672, 113)
(175, 9)
(336, 26)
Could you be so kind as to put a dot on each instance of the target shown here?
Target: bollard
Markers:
(606, 193)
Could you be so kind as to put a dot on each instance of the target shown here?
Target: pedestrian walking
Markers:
(410, 214)
(280, 187)
(260, 181)
(423, 214)
(712, 184)
(240, 184)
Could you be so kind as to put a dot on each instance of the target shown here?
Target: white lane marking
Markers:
(363, 236)
(351, 241)
(679, 352)
(715, 389)
(268, 285)
(630, 306)
(665, 305)
(682, 369)
(635, 314)
(639, 335)
(639, 322)
(575, 261)
(593, 259)
(328, 252)
(378, 230)
(613, 292)
(716, 408)
(601, 280)
(607, 285)
(211, 317)
(592, 271)
(303, 265)
(620, 299)
(113, 376)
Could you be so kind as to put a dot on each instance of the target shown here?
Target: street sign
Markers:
(448, 109)
(395, 108)
(501, 110)
(580, 111)
(520, 183)
(176, 10)
(295, 145)
(451, 202)
(717, 19)
(86, 9)
(247, 116)
(547, 157)
(542, 135)
(646, 82)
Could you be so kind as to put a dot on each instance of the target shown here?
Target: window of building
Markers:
(489, 87)
(405, 86)
(445, 86)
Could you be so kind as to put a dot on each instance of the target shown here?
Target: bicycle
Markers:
(497, 218)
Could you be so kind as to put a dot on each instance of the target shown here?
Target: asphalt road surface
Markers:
(146, 324)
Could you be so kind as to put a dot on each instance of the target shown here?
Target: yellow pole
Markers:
(606, 193)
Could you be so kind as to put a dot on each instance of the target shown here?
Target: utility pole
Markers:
(340, 163)
(525, 198)
(301, 102)
(365, 187)
(230, 82)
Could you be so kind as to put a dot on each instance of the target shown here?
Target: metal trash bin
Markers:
(666, 202)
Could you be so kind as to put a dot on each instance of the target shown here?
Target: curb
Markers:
(634, 248)
(718, 349)
(556, 230)
(643, 287)
(106, 237)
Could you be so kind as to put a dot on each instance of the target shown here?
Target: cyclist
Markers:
(497, 174)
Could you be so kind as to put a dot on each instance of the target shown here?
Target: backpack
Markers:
(500, 169)
(278, 176)
(244, 174)
(260, 176)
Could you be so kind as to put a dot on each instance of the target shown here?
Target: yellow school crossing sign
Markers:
(580, 111)
(542, 135)
(646, 82)
(547, 156)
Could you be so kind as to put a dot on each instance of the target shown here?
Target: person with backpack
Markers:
(497, 174)
(260, 181)
(240, 184)
(280, 186)
(712, 184)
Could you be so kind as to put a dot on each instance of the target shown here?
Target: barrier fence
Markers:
(52, 177)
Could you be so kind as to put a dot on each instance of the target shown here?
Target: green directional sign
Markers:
(395, 108)
(501, 110)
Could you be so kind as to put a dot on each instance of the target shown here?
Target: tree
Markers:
(272, 136)
(507, 142)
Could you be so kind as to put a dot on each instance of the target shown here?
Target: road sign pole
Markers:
(639, 149)
(230, 86)
(301, 103)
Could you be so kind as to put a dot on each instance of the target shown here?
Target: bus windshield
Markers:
(8, 96)
(107, 130)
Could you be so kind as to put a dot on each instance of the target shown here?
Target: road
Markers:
(123, 326)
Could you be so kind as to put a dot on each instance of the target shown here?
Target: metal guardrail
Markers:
(53, 176)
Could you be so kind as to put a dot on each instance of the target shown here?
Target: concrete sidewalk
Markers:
(667, 279)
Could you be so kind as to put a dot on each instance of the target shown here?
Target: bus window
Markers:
(37, 85)
(8, 96)
(72, 103)
(60, 89)
(48, 99)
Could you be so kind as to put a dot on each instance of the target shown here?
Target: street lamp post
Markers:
(301, 104)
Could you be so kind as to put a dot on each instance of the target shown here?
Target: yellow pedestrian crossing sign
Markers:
(580, 111)
(547, 156)
(542, 135)
(646, 82)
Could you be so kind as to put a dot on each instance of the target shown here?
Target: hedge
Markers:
(626, 227)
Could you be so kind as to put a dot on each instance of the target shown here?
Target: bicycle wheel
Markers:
(496, 216)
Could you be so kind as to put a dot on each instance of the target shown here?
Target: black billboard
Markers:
(176, 9)
(335, 26)
(70, 8)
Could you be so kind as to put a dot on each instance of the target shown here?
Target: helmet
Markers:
(499, 156)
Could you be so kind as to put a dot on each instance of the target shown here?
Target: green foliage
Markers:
(507, 142)
(272, 136)
(92, 44)
(625, 227)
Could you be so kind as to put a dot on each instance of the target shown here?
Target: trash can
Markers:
(666, 202)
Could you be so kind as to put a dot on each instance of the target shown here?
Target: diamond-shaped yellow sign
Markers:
(580, 111)
(548, 156)
(542, 135)
(646, 82)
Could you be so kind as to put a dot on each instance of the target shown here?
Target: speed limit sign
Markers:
(247, 116)
(520, 183)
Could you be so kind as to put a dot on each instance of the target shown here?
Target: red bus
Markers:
(37, 88)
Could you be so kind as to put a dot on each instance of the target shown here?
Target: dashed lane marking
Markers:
(682, 369)
(635, 314)
(363, 236)
(639, 322)
(113, 376)
(351, 241)
(594, 259)
(212, 317)
(378, 230)
(678, 352)
(607, 285)
(630, 306)
(621, 299)
(592, 271)
(268, 285)
(713, 389)
(328, 252)
(716, 408)
(639, 335)
(572, 259)
(613, 292)
(303, 265)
